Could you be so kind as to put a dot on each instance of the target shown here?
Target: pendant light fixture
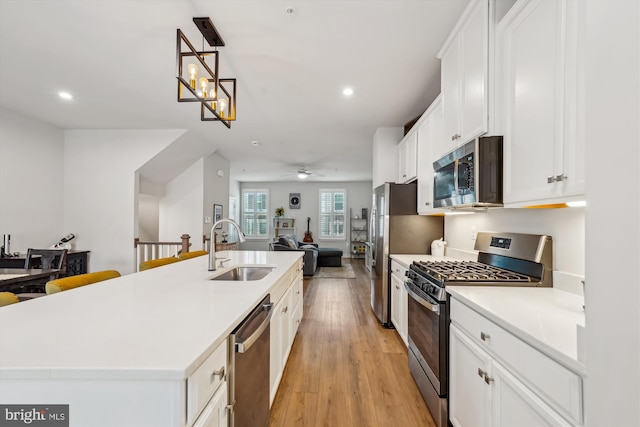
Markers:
(198, 79)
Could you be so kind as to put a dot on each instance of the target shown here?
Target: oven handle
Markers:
(429, 305)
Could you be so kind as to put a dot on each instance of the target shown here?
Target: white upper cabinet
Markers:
(537, 105)
(429, 144)
(385, 152)
(465, 77)
(407, 157)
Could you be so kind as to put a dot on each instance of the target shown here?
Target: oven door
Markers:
(427, 331)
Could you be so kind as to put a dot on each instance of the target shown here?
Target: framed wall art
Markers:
(294, 200)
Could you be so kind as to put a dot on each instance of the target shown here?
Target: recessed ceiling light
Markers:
(347, 91)
(65, 95)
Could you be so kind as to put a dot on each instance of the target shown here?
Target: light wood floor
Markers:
(344, 368)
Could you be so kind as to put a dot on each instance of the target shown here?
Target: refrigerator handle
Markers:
(372, 233)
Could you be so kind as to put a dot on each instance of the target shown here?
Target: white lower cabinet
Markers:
(399, 300)
(286, 318)
(495, 379)
(204, 389)
(215, 414)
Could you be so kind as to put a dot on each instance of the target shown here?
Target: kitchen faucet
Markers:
(212, 248)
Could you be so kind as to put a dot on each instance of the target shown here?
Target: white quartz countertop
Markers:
(545, 318)
(407, 259)
(155, 324)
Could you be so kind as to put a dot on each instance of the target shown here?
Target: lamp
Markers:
(217, 96)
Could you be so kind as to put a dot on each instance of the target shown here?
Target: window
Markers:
(255, 206)
(332, 213)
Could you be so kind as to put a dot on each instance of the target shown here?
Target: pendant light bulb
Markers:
(204, 85)
(223, 105)
(193, 74)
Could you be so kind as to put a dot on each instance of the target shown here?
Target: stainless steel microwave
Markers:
(470, 176)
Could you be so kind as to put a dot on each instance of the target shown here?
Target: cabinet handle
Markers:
(484, 336)
(557, 178)
(285, 309)
(481, 373)
(487, 379)
(219, 373)
(427, 203)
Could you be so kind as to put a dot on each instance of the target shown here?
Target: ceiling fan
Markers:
(303, 172)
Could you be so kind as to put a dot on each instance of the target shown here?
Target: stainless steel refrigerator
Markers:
(396, 228)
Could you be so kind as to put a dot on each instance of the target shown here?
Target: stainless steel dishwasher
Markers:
(249, 373)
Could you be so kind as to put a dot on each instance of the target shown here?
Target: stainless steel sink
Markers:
(244, 273)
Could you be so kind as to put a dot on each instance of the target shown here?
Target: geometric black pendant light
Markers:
(198, 79)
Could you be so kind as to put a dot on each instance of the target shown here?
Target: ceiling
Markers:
(117, 57)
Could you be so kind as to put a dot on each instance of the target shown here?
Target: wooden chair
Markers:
(7, 298)
(50, 259)
(46, 259)
(71, 282)
(153, 263)
(189, 255)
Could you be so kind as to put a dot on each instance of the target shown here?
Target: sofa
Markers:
(314, 256)
(310, 258)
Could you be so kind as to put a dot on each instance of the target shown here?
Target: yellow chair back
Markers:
(71, 282)
(189, 255)
(147, 265)
(7, 298)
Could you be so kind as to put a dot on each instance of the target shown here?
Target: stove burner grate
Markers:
(467, 271)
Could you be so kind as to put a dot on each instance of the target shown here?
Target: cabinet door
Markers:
(275, 353)
(514, 404)
(532, 100)
(404, 314)
(430, 148)
(407, 161)
(215, 414)
(474, 73)
(469, 394)
(395, 301)
(451, 88)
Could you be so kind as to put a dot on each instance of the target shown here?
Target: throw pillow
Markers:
(290, 242)
(307, 247)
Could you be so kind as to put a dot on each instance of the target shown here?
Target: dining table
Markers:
(21, 280)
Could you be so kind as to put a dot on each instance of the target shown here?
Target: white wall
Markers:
(100, 197)
(612, 293)
(180, 208)
(358, 197)
(148, 218)
(31, 182)
(216, 191)
(565, 226)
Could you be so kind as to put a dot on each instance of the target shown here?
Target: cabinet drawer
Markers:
(398, 269)
(557, 385)
(203, 383)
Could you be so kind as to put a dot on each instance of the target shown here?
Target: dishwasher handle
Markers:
(265, 312)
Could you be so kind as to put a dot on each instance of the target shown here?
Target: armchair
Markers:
(310, 258)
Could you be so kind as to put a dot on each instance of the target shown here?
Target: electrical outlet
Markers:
(207, 220)
(474, 232)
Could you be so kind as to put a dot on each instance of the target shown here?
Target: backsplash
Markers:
(565, 226)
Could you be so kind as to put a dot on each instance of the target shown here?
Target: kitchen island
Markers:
(121, 352)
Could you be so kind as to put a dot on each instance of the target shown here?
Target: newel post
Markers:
(185, 243)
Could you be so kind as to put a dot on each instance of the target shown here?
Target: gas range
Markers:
(504, 259)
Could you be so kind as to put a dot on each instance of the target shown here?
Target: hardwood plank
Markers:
(345, 369)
